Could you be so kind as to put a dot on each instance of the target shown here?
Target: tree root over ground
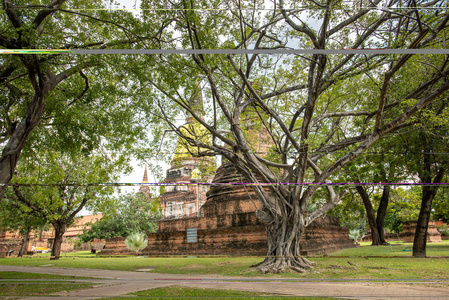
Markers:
(285, 264)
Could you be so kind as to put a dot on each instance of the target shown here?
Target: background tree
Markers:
(130, 213)
(382, 164)
(58, 186)
(351, 212)
(294, 98)
(396, 161)
(427, 147)
(441, 205)
(18, 217)
(404, 207)
(78, 96)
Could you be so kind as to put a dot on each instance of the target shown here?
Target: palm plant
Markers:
(136, 241)
(356, 235)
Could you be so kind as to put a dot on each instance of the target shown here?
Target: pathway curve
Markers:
(118, 283)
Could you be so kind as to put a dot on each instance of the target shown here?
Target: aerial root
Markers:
(282, 265)
(259, 263)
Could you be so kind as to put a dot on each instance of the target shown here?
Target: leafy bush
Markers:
(444, 229)
(131, 213)
(77, 243)
(136, 241)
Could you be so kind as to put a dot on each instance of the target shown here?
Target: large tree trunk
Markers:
(381, 213)
(420, 240)
(57, 243)
(375, 237)
(283, 245)
(24, 247)
(428, 194)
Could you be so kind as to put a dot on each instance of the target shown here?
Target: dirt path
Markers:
(118, 283)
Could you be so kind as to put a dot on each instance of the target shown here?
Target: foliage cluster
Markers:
(444, 230)
(356, 235)
(130, 213)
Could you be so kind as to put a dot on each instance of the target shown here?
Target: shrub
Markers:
(356, 235)
(136, 241)
(77, 243)
(443, 229)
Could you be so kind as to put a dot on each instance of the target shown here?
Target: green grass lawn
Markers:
(24, 275)
(365, 262)
(84, 254)
(39, 288)
(29, 287)
(394, 249)
(176, 292)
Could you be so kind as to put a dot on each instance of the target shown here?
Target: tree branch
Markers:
(304, 28)
(50, 9)
(11, 13)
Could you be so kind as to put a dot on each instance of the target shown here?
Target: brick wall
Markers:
(240, 234)
(408, 232)
(9, 244)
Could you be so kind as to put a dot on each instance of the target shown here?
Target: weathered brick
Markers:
(229, 226)
(408, 232)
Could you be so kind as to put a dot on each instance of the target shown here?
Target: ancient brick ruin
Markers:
(228, 225)
(12, 240)
(180, 200)
(9, 247)
(222, 220)
(408, 232)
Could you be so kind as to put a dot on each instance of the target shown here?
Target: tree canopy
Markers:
(130, 213)
(76, 101)
(55, 187)
(318, 111)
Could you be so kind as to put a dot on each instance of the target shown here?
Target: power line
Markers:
(352, 6)
(296, 153)
(108, 184)
(225, 51)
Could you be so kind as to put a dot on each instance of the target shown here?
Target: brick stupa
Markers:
(182, 199)
(228, 226)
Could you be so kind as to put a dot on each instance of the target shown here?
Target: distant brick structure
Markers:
(145, 188)
(179, 200)
(408, 232)
(45, 238)
(7, 245)
(228, 226)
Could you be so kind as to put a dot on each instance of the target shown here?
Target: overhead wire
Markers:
(240, 183)
(350, 4)
(107, 184)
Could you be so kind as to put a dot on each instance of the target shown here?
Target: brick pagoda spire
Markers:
(185, 200)
(144, 188)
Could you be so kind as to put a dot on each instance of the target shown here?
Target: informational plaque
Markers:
(192, 235)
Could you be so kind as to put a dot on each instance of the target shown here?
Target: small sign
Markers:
(192, 235)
